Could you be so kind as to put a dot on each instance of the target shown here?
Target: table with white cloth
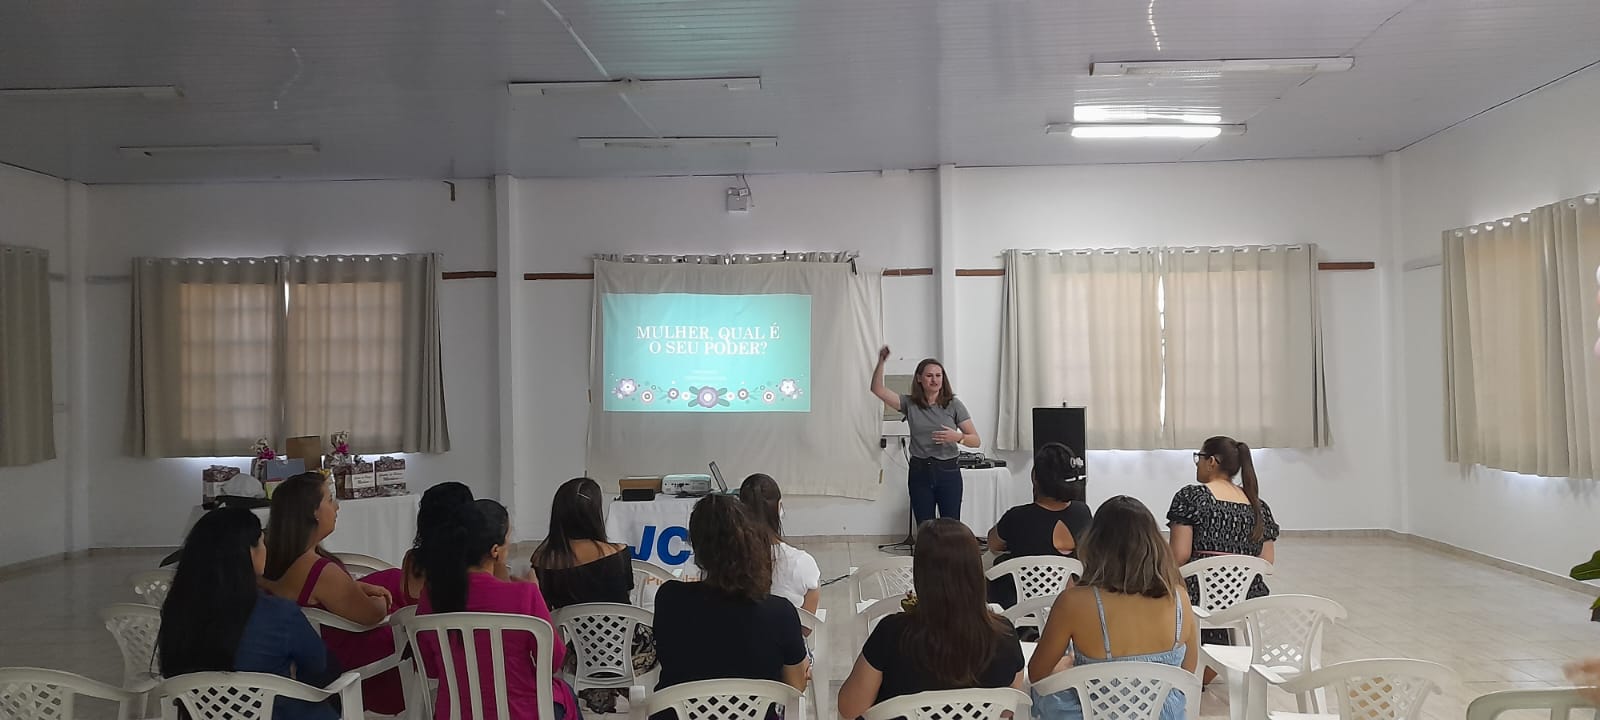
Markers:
(987, 493)
(383, 527)
(657, 531)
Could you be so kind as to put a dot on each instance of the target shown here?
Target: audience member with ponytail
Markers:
(1053, 524)
(405, 583)
(1218, 517)
(728, 625)
(467, 572)
(795, 575)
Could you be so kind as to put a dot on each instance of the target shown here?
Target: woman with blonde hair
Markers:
(1129, 605)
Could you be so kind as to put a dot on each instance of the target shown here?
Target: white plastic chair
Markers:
(1559, 702)
(136, 628)
(602, 636)
(966, 704)
(359, 565)
(821, 688)
(721, 700)
(877, 610)
(1223, 580)
(453, 633)
(643, 575)
(152, 585)
(1384, 689)
(249, 696)
(320, 619)
(40, 694)
(888, 577)
(1037, 575)
(1125, 690)
(1284, 634)
(1033, 612)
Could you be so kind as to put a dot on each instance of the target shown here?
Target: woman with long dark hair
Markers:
(949, 639)
(1126, 607)
(304, 513)
(215, 617)
(1215, 516)
(1051, 525)
(795, 575)
(728, 625)
(405, 583)
(940, 427)
(466, 572)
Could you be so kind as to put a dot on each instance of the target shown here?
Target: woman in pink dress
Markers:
(405, 583)
(467, 572)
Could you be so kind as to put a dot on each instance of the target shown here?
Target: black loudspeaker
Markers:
(1064, 425)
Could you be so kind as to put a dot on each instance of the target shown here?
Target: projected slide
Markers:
(682, 352)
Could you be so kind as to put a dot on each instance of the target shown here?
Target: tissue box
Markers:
(391, 475)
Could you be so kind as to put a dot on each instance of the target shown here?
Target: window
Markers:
(226, 353)
(346, 370)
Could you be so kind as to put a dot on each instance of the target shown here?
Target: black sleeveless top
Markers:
(608, 579)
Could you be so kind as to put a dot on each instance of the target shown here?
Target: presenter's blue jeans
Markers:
(935, 486)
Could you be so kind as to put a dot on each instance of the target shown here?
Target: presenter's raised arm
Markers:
(889, 397)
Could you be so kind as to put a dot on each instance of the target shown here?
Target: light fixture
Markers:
(663, 143)
(112, 92)
(1177, 131)
(1140, 114)
(152, 151)
(1215, 68)
(730, 84)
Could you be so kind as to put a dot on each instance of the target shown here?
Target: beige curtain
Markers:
(363, 352)
(205, 342)
(1521, 388)
(27, 408)
(1243, 346)
(1082, 328)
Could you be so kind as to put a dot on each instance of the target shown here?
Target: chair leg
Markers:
(1238, 688)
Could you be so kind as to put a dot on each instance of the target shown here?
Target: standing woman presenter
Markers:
(940, 426)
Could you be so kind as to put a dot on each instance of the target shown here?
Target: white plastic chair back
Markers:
(1386, 689)
(135, 628)
(1557, 702)
(1033, 612)
(249, 696)
(878, 610)
(602, 637)
(821, 686)
(645, 575)
(722, 700)
(1286, 630)
(1224, 580)
(359, 565)
(320, 619)
(968, 704)
(1125, 690)
(882, 578)
(152, 585)
(1037, 576)
(462, 634)
(39, 694)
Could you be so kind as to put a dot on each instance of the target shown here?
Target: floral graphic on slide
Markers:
(708, 397)
(789, 388)
(625, 388)
(672, 393)
(744, 395)
(647, 397)
(768, 397)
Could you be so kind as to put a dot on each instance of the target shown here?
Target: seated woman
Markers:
(1053, 524)
(949, 639)
(215, 617)
(304, 513)
(728, 625)
(795, 576)
(1127, 607)
(1215, 516)
(405, 583)
(577, 564)
(467, 573)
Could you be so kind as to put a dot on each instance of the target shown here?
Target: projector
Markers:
(686, 485)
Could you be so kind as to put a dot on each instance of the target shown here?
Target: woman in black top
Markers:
(1051, 525)
(728, 626)
(948, 640)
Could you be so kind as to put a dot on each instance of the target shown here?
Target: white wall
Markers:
(1532, 152)
(137, 502)
(34, 498)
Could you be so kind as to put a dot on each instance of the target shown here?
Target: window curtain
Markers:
(363, 352)
(1521, 388)
(204, 377)
(1082, 328)
(1244, 346)
(27, 407)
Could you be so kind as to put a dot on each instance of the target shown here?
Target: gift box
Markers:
(213, 482)
(391, 475)
(363, 480)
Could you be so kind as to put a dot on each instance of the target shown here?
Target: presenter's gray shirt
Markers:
(925, 420)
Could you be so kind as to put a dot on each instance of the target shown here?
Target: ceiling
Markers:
(416, 88)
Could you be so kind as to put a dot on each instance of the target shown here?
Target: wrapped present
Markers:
(363, 480)
(391, 475)
(213, 482)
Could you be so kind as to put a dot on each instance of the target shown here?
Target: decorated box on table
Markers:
(391, 475)
(213, 482)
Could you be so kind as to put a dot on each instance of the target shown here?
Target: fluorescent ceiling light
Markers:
(633, 85)
(151, 151)
(1131, 114)
(1181, 131)
(660, 143)
(148, 92)
(1215, 68)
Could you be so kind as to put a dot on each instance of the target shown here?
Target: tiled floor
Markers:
(1497, 629)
